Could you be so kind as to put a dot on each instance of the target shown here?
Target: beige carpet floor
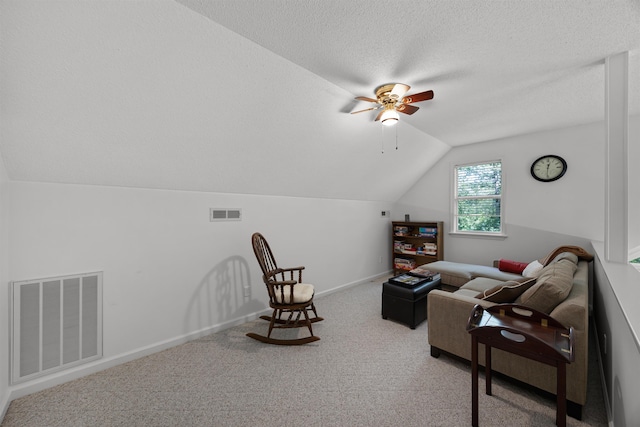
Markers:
(365, 371)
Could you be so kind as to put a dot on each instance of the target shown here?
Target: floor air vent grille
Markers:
(56, 324)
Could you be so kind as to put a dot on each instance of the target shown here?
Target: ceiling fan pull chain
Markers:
(396, 126)
(382, 138)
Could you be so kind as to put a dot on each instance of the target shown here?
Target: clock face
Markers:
(548, 168)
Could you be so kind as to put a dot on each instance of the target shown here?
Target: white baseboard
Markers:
(4, 406)
(355, 283)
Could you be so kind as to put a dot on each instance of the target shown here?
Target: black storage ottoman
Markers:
(406, 304)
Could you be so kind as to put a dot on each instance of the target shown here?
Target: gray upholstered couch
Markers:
(448, 313)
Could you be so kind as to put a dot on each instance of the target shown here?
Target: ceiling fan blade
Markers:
(399, 90)
(368, 109)
(407, 109)
(364, 98)
(417, 97)
(379, 115)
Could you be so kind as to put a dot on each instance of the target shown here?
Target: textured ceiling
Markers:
(253, 96)
(498, 68)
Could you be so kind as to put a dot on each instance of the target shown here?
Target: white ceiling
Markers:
(253, 96)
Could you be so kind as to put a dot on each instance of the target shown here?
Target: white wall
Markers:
(4, 292)
(617, 320)
(634, 188)
(168, 271)
(539, 216)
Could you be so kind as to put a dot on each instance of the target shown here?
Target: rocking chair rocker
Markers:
(286, 295)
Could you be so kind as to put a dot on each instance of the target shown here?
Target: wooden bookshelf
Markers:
(415, 244)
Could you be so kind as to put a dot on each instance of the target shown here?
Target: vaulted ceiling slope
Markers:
(253, 97)
(498, 68)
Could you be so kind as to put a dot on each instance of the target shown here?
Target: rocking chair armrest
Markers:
(292, 268)
(291, 272)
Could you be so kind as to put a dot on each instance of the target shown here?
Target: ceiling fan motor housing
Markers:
(386, 92)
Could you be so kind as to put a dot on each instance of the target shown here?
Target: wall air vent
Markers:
(220, 214)
(56, 324)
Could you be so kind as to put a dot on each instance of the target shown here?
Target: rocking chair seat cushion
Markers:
(302, 292)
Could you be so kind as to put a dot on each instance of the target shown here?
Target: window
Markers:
(478, 204)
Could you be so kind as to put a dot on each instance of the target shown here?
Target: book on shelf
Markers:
(401, 230)
(405, 248)
(427, 231)
(404, 264)
(428, 249)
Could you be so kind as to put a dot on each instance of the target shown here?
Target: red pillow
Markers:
(512, 266)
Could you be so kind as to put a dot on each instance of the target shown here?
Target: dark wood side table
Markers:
(525, 332)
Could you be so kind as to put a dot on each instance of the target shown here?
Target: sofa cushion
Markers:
(577, 250)
(481, 284)
(471, 293)
(552, 286)
(457, 274)
(452, 273)
(507, 292)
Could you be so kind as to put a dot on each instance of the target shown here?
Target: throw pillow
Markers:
(532, 269)
(552, 287)
(511, 266)
(508, 292)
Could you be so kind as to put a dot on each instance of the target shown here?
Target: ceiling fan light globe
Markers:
(389, 118)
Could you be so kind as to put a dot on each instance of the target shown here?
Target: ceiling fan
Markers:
(390, 98)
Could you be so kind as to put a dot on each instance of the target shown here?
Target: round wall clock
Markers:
(548, 168)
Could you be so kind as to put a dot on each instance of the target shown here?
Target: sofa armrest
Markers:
(448, 315)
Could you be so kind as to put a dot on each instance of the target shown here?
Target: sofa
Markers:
(557, 285)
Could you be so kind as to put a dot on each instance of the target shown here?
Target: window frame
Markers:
(634, 254)
(455, 198)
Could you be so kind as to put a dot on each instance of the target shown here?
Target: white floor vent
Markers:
(56, 324)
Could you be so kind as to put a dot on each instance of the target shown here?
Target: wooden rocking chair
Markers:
(287, 295)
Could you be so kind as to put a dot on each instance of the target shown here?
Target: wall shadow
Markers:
(618, 405)
(223, 295)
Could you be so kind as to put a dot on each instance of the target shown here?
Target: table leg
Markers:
(474, 381)
(561, 390)
(487, 368)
